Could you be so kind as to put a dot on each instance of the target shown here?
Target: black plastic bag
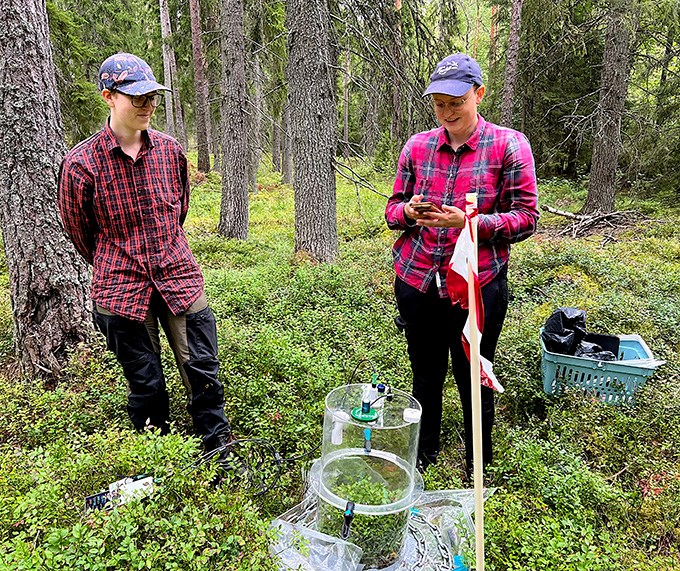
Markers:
(593, 351)
(564, 330)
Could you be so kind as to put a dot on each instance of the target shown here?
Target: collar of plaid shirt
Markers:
(125, 218)
(498, 165)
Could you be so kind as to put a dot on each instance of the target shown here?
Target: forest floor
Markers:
(581, 485)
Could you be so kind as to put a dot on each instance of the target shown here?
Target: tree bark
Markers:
(311, 92)
(235, 156)
(215, 144)
(48, 280)
(201, 88)
(345, 100)
(493, 39)
(397, 51)
(613, 89)
(286, 147)
(256, 113)
(371, 125)
(171, 79)
(276, 144)
(167, 74)
(508, 104)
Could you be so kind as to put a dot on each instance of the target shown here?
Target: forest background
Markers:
(294, 114)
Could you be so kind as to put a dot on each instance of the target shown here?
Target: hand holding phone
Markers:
(422, 206)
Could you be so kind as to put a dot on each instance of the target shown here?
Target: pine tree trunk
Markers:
(171, 79)
(493, 39)
(616, 65)
(508, 104)
(256, 113)
(286, 147)
(48, 279)
(311, 91)
(371, 126)
(668, 55)
(276, 144)
(178, 108)
(201, 88)
(215, 144)
(345, 101)
(397, 50)
(235, 156)
(167, 74)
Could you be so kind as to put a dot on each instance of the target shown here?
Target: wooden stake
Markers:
(476, 393)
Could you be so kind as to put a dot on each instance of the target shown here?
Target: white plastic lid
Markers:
(412, 415)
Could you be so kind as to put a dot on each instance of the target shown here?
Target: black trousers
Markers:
(433, 328)
(193, 338)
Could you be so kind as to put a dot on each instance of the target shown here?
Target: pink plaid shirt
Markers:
(498, 165)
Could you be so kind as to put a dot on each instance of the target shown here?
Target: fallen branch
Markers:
(563, 213)
(584, 223)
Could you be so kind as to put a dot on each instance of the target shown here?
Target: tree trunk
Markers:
(613, 89)
(215, 144)
(345, 100)
(662, 94)
(256, 114)
(48, 280)
(493, 39)
(201, 87)
(508, 104)
(167, 74)
(371, 126)
(286, 147)
(235, 163)
(397, 50)
(178, 108)
(171, 80)
(311, 92)
(276, 144)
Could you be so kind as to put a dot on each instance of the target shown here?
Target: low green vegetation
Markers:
(580, 485)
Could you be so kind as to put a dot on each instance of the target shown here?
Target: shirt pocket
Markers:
(115, 206)
(488, 187)
(169, 197)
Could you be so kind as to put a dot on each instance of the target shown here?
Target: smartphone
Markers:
(423, 206)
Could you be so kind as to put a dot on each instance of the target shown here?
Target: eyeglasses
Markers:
(452, 104)
(140, 101)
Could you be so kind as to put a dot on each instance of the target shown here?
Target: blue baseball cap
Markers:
(128, 74)
(454, 76)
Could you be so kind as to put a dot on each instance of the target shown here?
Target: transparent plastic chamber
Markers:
(366, 479)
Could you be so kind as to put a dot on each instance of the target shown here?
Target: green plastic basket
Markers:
(613, 382)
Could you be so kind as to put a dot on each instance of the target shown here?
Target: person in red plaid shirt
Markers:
(465, 154)
(123, 196)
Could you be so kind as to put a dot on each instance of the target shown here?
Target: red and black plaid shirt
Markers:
(497, 164)
(125, 218)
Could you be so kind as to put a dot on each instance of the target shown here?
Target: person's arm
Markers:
(518, 197)
(402, 192)
(184, 181)
(75, 190)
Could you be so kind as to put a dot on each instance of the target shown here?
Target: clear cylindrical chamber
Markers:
(370, 467)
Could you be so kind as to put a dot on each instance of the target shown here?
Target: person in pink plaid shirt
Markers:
(437, 167)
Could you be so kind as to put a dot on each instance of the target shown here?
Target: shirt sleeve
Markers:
(518, 197)
(75, 191)
(186, 186)
(402, 192)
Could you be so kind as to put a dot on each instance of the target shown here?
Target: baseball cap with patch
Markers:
(454, 76)
(128, 74)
